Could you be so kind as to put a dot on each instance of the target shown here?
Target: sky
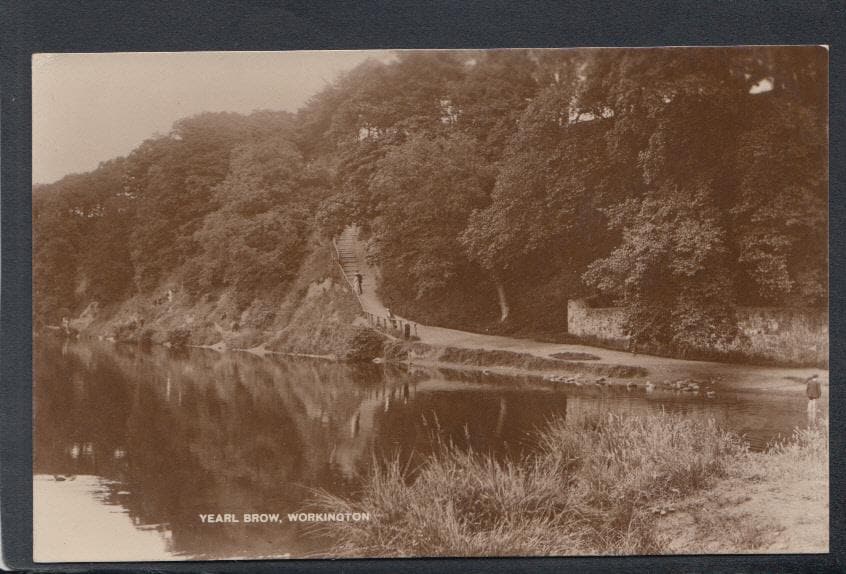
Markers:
(88, 108)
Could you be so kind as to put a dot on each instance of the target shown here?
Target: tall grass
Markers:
(802, 456)
(586, 490)
(787, 511)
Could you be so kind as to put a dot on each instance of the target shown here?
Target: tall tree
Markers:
(487, 100)
(254, 239)
(703, 219)
(173, 178)
(423, 192)
(546, 195)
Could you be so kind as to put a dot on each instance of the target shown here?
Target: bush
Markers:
(586, 490)
(147, 337)
(363, 345)
(178, 338)
(398, 350)
(246, 338)
(126, 332)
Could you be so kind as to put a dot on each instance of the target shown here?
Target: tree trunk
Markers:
(503, 302)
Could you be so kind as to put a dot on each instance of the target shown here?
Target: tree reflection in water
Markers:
(202, 432)
(175, 435)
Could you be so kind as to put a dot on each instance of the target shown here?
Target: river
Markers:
(134, 447)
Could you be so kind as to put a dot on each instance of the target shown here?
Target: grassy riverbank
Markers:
(774, 501)
(595, 485)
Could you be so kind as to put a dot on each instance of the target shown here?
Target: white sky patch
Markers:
(89, 108)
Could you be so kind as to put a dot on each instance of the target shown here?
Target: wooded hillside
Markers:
(493, 186)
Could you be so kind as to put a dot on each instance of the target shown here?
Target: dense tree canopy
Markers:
(491, 185)
(733, 204)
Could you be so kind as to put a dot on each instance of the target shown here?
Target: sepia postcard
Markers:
(430, 303)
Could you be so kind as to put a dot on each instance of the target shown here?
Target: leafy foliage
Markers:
(255, 239)
(669, 181)
(423, 192)
(733, 191)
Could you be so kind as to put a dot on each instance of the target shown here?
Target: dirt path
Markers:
(769, 503)
(739, 377)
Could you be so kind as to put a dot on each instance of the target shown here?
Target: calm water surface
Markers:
(132, 445)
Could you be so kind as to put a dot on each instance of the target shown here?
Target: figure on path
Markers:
(813, 390)
(359, 279)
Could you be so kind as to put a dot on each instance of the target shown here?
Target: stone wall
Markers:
(787, 335)
(780, 334)
(604, 323)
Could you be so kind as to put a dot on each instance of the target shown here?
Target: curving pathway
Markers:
(352, 259)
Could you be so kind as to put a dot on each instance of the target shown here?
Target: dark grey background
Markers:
(108, 26)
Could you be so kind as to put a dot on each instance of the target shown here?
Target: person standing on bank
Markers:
(813, 390)
(359, 279)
